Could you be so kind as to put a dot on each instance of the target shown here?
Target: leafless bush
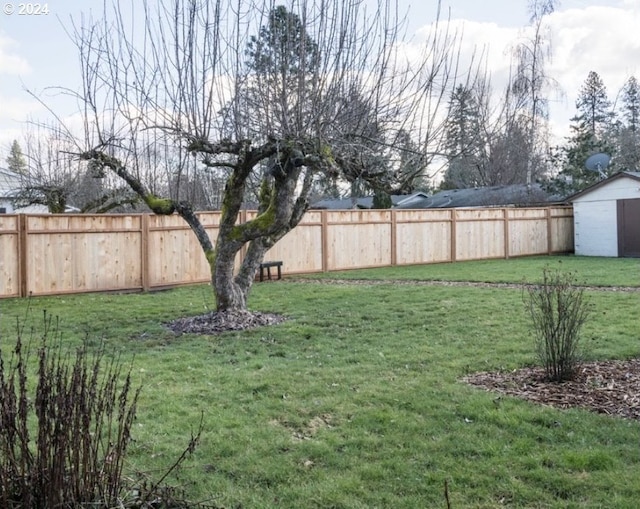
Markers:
(558, 310)
(63, 439)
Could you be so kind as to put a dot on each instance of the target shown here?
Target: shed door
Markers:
(629, 228)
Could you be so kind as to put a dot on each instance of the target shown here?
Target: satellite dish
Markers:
(598, 163)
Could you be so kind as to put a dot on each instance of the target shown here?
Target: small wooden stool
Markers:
(268, 265)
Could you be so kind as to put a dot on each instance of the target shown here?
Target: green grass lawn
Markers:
(355, 401)
(589, 270)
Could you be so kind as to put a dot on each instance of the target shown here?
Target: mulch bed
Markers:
(217, 322)
(606, 387)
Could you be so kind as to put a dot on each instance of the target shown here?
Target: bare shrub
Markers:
(558, 310)
(63, 439)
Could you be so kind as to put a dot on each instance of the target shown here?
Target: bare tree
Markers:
(52, 179)
(49, 177)
(509, 144)
(486, 139)
(179, 86)
(530, 84)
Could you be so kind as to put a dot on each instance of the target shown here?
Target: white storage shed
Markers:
(607, 217)
(9, 186)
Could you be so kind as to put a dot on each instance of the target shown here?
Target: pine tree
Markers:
(16, 161)
(594, 108)
(592, 132)
(461, 140)
(282, 60)
(631, 104)
(628, 129)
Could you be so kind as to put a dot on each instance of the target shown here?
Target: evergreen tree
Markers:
(461, 140)
(282, 46)
(16, 161)
(631, 104)
(591, 132)
(281, 60)
(381, 200)
(284, 63)
(628, 128)
(593, 105)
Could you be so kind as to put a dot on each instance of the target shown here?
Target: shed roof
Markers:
(634, 175)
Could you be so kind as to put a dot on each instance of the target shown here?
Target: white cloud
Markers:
(476, 40)
(600, 39)
(597, 38)
(14, 114)
(15, 109)
(10, 62)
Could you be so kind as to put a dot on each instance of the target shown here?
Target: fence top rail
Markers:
(309, 212)
(44, 254)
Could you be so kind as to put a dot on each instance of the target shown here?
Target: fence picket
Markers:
(74, 253)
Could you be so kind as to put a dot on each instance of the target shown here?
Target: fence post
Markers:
(23, 270)
(505, 225)
(394, 238)
(454, 234)
(549, 232)
(324, 248)
(144, 251)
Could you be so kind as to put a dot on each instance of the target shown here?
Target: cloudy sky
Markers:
(587, 35)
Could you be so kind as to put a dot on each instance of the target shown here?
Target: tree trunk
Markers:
(231, 290)
(230, 295)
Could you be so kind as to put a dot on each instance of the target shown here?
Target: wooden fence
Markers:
(58, 254)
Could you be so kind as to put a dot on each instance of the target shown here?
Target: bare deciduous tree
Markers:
(52, 179)
(179, 86)
(530, 84)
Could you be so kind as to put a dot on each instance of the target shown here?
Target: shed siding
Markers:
(596, 233)
(618, 189)
(596, 216)
(6, 205)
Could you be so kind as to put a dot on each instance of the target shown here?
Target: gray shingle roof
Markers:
(496, 196)
(366, 202)
(516, 194)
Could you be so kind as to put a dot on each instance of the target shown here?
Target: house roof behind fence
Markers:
(365, 202)
(517, 194)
